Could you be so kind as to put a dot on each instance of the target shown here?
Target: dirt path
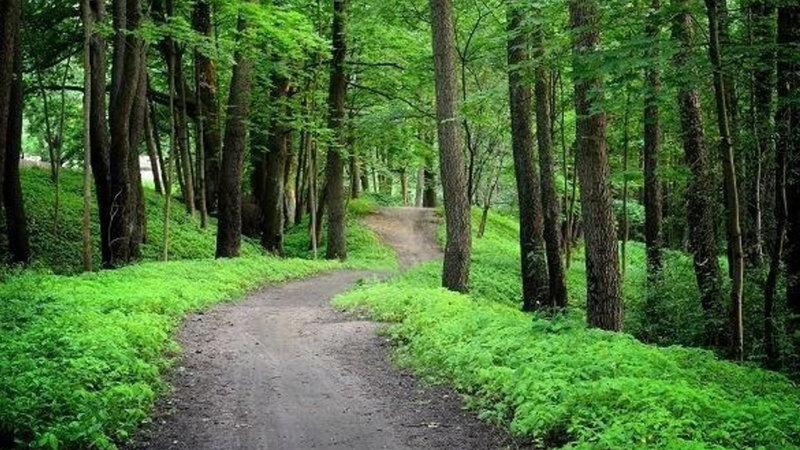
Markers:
(282, 370)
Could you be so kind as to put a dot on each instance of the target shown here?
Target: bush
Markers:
(564, 385)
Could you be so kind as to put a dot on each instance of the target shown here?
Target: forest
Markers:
(581, 216)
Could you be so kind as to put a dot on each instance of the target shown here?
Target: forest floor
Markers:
(282, 369)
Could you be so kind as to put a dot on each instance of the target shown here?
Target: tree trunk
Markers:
(16, 223)
(185, 154)
(229, 228)
(139, 219)
(550, 206)
(700, 191)
(10, 20)
(275, 158)
(86, 237)
(128, 61)
(736, 252)
(603, 302)
(788, 127)
(337, 242)
(652, 146)
(531, 222)
(207, 92)
(420, 187)
(404, 186)
(99, 132)
(455, 274)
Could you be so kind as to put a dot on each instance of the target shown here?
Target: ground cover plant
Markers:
(564, 385)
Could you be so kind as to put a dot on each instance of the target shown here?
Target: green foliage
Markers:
(81, 357)
(364, 248)
(61, 252)
(566, 386)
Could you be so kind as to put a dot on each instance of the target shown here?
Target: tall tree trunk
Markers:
(788, 127)
(736, 252)
(652, 146)
(420, 187)
(171, 157)
(603, 302)
(337, 242)
(229, 228)
(99, 132)
(10, 20)
(551, 208)
(531, 222)
(16, 223)
(86, 237)
(404, 186)
(458, 248)
(136, 133)
(275, 158)
(185, 154)
(207, 92)
(763, 80)
(128, 61)
(700, 191)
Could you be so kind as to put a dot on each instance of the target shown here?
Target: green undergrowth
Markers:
(60, 252)
(562, 385)
(364, 248)
(81, 357)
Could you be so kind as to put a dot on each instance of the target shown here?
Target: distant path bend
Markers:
(282, 370)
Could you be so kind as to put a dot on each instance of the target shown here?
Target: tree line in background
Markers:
(675, 124)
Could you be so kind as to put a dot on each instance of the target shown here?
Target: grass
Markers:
(81, 357)
(60, 252)
(565, 386)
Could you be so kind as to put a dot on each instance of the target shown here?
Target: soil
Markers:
(282, 370)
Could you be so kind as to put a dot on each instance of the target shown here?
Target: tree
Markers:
(699, 192)
(458, 246)
(275, 160)
(735, 251)
(531, 225)
(88, 30)
(653, 207)
(551, 208)
(126, 128)
(229, 228)
(788, 124)
(334, 171)
(16, 222)
(207, 87)
(603, 301)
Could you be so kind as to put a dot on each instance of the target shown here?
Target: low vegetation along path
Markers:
(283, 370)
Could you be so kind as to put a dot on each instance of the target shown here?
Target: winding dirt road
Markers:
(282, 370)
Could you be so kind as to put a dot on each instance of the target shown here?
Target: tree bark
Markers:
(653, 211)
(337, 242)
(788, 127)
(550, 206)
(10, 20)
(274, 160)
(603, 302)
(229, 228)
(152, 151)
(700, 191)
(16, 222)
(531, 222)
(207, 92)
(128, 61)
(458, 247)
(735, 250)
(86, 237)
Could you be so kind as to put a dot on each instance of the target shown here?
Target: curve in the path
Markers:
(282, 370)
